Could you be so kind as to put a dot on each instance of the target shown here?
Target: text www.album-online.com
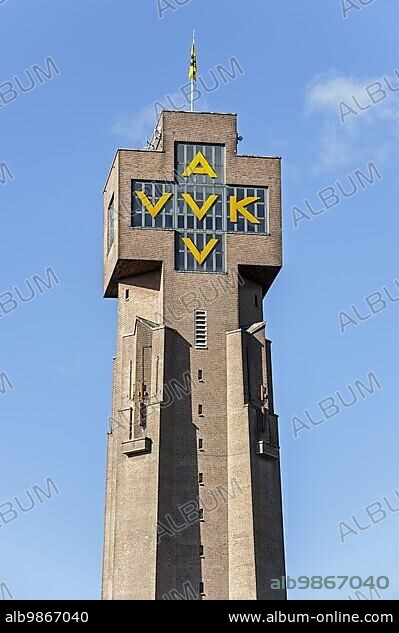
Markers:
(336, 617)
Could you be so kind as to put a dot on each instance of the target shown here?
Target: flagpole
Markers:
(193, 80)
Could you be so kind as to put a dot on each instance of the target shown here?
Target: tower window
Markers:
(143, 415)
(201, 329)
(200, 375)
(201, 550)
(127, 294)
(131, 380)
(256, 301)
(200, 443)
(201, 588)
(111, 223)
(200, 409)
(201, 479)
(201, 514)
(130, 424)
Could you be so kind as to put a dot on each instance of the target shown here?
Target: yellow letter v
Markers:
(200, 257)
(200, 211)
(153, 209)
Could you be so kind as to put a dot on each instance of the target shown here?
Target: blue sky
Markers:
(115, 59)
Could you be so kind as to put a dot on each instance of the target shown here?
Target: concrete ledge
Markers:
(265, 450)
(137, 447)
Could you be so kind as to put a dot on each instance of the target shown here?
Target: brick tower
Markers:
(192, 243)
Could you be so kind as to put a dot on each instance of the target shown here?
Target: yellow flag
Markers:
(192, 75)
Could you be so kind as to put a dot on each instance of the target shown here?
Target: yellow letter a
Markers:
(240, 207)
(200, 257)
(199, 165)
(153, 209)
(199, 211)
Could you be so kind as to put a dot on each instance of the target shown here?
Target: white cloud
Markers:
(138, 127)
(347, 133)
(326, 92)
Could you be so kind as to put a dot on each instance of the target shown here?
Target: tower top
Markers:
(190, 203)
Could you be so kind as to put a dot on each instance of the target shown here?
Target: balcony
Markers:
(266, 450)
(137, 447)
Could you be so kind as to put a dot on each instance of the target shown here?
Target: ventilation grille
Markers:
(201, 330)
